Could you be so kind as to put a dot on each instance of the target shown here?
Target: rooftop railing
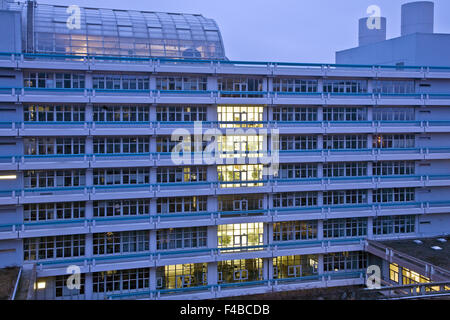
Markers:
(162, 61)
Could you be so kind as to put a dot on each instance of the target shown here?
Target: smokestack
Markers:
(368, 33)
(417, 17)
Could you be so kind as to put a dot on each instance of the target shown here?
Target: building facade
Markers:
(417, 45)
(107, 167)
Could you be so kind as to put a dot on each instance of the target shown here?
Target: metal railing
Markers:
(15, 228)
(212, 94)
(270, 284)
(222, 157)
(199, 252)
(272, 182)
(412, 291)
(384, 251)
(210, 63)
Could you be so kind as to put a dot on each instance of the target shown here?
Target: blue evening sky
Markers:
(282, 30)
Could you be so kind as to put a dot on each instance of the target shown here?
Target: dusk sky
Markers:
(283, 30)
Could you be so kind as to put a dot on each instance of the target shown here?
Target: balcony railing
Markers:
(270, 285)
(15, 128)
(212, 94)
(214, 157)
(152, 221)
(201, 253)
(266, 182)
(215, 187)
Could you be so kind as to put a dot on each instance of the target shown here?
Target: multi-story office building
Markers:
(309, 162)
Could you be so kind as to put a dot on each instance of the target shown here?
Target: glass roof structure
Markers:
(126, 33)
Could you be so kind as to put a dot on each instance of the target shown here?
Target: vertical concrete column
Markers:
(385, 270)
(89, 117)
(152, 240)
(370, 168)
(152, 112)
(211, 113)
(212, 273)
(152, 83)
(416, 224)
(19, 214)
(212, 84)
(268, 201)
(319, 229)
(89, 209)
(266, 113)
(89, 249)
(268, 262)
(269, 85)
(153, 175)
(320, 170)
(89, 112)
(268, 230)
(320, 198)
(319, 141)
(153, 207)
(211, 174)
(400, 274)
(270, 113)
(369, 196)
(320, 113)
(212, 237)
(213, 204)
(89, 148)
(88, 286)
(320, 85)
(212, 266)
(370, 228)
(267, 268)
(89, 177)
(19, 116)
(370, 113)
(369, 141)
(370, 86)
(320, 267)
(152, 278)
(88, 80)
(152, 144)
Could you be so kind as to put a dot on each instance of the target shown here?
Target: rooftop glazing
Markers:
(125, 33)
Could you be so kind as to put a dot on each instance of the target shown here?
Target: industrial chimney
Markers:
(417, 17)
(371, 35)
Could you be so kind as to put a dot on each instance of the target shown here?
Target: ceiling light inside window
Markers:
(8, 177)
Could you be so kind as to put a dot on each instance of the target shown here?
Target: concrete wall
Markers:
(414, 49)
(11, 40)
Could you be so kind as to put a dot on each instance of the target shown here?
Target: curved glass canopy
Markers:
(126, 33)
